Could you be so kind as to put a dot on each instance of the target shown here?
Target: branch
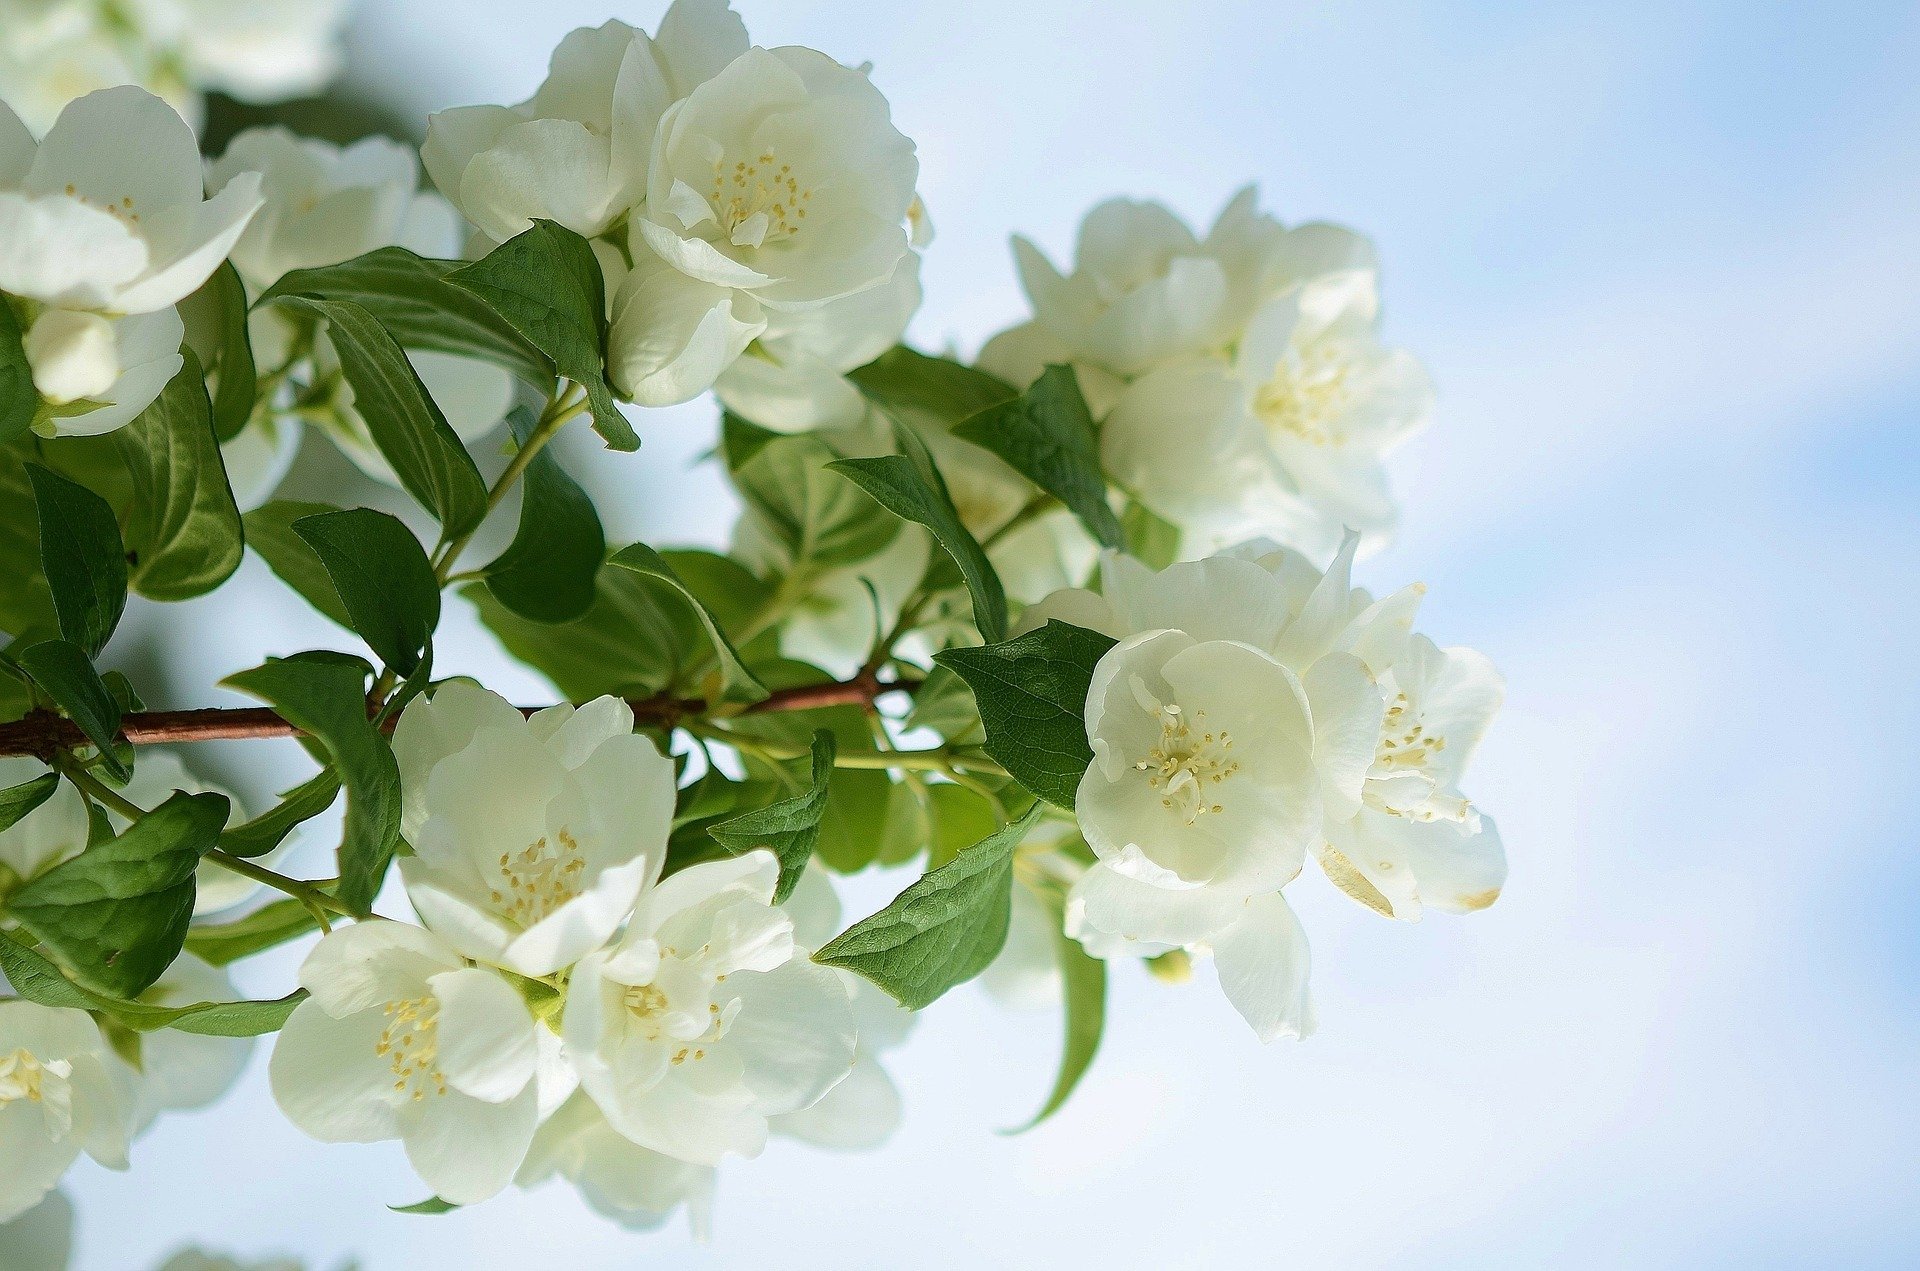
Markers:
(45, 734)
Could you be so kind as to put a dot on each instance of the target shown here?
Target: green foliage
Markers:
(26, 605)
(546, 283)
(1156, 543)
(1032, 694)
(547, 572)
(297, 806)
(930, 393)
(625, 644)
(39, 980)
(411, 297)
(184, 531)
(224, 300)
(19, 399)
(737, 683)
(911, 487)
(959, 818)
(270, 532)
(382, 577)
(83, 557)
(402, 418)
(431, 1206)
(18, 802)
(265, 928)
(324, 695)
(789, 828)
(1047, 436)
(64, 673)
(944, 929)
(116, 915)
(813, 519)
(1083, 981)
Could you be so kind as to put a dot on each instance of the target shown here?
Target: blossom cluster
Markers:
(1072, 629)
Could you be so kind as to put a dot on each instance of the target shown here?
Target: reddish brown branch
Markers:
(44, 734)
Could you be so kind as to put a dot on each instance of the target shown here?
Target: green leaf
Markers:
(382, 576)
(626, 644)
(1084, 999)
(19, 399)
(431, 1205)
(270, 533)
(410, 296)
(26, 604)
(960, 818)
(405, 423)
(117, 914)
(1152, 541)
(909, 486)
(233, 396)
(1032, 693)
(185, 531)
(1047, 436)
(18, 802)
(548, 286)
(816, 520)
(788, 828)
(64, 673)
(737, 682)
(264, 928)
(944, 703)
(84, 559)
(944, 929)
(298, 805)
(324, 695)
(932, 393)
(547, 572)
(39, 980)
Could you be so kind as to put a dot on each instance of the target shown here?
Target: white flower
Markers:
(576, 152)
(634, 1186)
(401, 1039)
(52, 51)
(324, 205)
(780, 184)
(793, 378)
(57, 1100)
(182, 1071)
(108, 213)
(532, 836)
(706, 1019)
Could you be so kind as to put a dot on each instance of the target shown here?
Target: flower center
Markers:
(679, 1008)
(410, 1043)
(1190, 759)
(121, 210)
(758, 200)
(24, 1076)
(1308, 390)
(539, 878)
(1402, 781)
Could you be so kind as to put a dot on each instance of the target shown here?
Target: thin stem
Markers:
(563, 407)
(99, 791)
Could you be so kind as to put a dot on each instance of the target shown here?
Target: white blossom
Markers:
(179, 1071)
(57, 1099)
(706, 1019)
(402, 1039)
(532, 837)
(634, 1186)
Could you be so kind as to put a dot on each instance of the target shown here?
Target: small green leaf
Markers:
(84, 559)
(233, 397)
(1150, 540)
(185, 531)
(324, 695)
(547, 572)
(790, 827)
(117, 914)
(410, 296)
(431, 1205)
(814, 520)
(548, 286)
(931, 393)
(64, 673)
(39, 980)
(944, 929)
(737, 682)
(270, 533)
(382, 576)
(405, 423)
(960, 818)
(626, 644)
(264, 928)
(18, 802)
(1047, 436)
(909, 486)
(19, 399)
(300, 804)
(1084, 999)
(1032, 693)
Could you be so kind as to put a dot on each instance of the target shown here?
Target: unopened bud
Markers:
(73, 355)
(1175, 966)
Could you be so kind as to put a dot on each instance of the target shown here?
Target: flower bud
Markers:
(73, 356)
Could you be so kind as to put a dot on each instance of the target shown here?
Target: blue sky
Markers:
(1664, 262)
